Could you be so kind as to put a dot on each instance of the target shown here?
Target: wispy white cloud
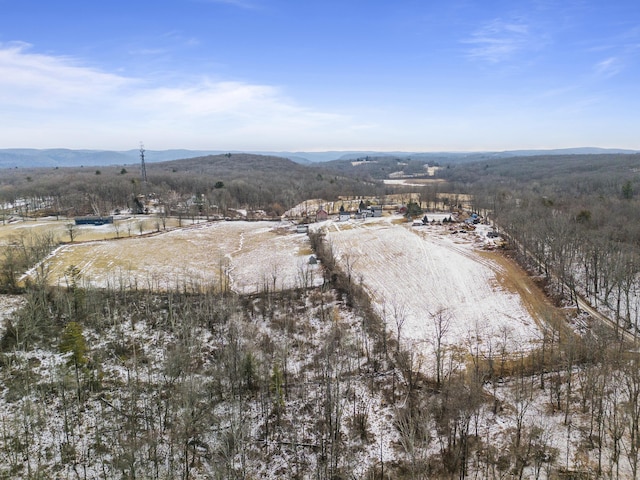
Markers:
(499, 40)
(63, 100)
(179, 38)
(44, 81)
(621, 51)
(609, 67)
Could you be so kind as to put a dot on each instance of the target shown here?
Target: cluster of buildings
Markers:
(362, 212)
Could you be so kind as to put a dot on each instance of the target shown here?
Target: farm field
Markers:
(244, 256)
(126, 226)
(415, 274)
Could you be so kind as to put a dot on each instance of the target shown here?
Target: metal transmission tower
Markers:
(143, 168)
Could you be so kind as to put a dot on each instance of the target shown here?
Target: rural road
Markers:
(584, 305)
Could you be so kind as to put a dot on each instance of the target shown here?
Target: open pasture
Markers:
(244, 256)
(123, 226)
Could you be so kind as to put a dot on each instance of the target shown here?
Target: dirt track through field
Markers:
(515, 279)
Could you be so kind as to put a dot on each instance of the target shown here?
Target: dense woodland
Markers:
(311, 383)
(216, 183)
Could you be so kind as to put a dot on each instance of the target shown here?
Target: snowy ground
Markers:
(8, 305)
(413, 273)
(246, 255)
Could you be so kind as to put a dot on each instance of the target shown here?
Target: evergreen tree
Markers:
(413, 210)
(73, 342)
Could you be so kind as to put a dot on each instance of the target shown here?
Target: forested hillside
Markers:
(214, 183)
(191, 379)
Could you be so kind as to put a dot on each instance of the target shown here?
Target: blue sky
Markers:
(319, 75)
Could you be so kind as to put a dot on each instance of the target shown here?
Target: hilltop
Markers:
(64, 157)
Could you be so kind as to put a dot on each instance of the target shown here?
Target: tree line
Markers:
(217, 183)
(572, 219)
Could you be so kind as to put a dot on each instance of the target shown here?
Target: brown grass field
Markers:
(244, 256)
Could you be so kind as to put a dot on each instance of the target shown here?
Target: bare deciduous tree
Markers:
(441, 321)
(72, 230)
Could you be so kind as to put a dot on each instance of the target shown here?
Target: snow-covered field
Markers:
(414, 274)
(417, 274)
(245, 255)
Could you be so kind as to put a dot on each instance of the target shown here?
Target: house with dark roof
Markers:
(93, 220)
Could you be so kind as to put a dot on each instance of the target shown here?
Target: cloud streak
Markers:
(60, 97)
(41, 81)
(498, 41)
(609, 67)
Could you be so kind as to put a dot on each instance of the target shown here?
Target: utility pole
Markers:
(143, 168)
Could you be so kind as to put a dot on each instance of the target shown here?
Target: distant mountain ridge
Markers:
(62, 157)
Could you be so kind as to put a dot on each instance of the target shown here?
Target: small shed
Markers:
(344, 216)
(321, 215)
(376, 210)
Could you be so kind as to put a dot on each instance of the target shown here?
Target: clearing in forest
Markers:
(417, 275)
(244, 256)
